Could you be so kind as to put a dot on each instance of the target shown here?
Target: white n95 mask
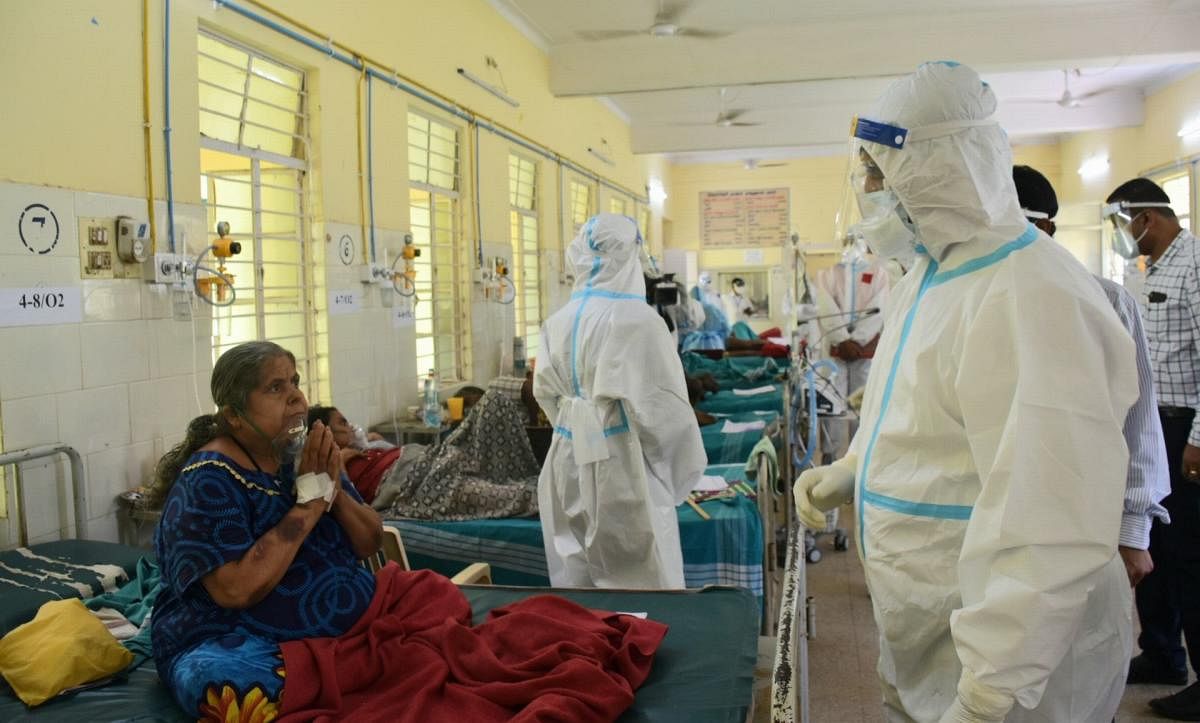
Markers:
(883, 227)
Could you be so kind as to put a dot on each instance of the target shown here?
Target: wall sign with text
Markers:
(732, 219)
(344, 301)
(40, 306)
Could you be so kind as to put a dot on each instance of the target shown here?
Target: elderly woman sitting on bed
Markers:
(245, 564)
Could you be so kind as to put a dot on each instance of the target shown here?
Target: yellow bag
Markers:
(65, 645)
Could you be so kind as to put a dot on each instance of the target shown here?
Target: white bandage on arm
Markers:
(311, 486)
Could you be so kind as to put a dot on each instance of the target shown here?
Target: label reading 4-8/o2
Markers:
(40, 305)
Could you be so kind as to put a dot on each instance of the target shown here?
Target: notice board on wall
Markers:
(744, 218)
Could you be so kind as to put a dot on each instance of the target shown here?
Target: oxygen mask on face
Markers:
(291, 443)
(360, 437)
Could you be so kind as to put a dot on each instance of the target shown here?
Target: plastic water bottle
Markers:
(432, 412)
(519, 356)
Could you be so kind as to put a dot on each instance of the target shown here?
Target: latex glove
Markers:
(977, 703)
(958, 713)
(855, 400)
(820, 490)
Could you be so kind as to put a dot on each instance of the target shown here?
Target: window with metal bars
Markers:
(643, 222)
(522, 200)
(253, 171)
(443, 280)
(582, 200)
(617, 205)
(1177, 183)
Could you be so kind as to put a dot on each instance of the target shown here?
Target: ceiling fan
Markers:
(1067, 99)
(665, 25)
(751, 164)
(726, 118)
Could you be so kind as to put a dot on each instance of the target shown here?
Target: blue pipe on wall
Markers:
(167, 124)
(418, 93)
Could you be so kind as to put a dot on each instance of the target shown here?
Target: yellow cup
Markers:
(455, 404)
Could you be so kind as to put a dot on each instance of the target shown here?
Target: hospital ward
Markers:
(652, 361)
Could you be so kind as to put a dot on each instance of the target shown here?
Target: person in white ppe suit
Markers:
(989, 467)
(856, 284)
(626, 448)
(706, 292)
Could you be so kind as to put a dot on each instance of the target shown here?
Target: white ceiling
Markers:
(800, 69)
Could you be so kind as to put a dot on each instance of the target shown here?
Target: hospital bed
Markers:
(724, 550)
(766, 397)
(703, 671)
(733, 436)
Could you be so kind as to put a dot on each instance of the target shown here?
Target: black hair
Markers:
(234, 376)
(320, 414)
(1034, 191)
(737, 280)
(1143, 190)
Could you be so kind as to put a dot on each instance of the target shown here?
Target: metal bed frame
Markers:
(78, 484)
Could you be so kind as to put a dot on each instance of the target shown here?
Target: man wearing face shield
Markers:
(626, 448)
(988, 470)
(1168, 599)
(1147, 481)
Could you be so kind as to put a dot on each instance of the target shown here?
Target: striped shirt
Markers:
(1148, 480)
(1171, 305)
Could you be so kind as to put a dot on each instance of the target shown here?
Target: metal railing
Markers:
(78, 483)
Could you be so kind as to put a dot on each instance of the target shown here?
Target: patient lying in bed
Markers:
(485, 469)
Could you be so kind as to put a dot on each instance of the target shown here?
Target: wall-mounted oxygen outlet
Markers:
(376, 274)
(167, 268)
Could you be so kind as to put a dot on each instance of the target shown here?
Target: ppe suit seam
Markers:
(887, 394)
(990, 259)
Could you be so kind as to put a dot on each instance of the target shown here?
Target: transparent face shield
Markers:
(870, 213)
(1122, 216)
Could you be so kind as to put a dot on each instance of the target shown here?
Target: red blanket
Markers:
(413, 656)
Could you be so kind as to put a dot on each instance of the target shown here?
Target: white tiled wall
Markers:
(118, 387)
(372, 364)
(121, 386)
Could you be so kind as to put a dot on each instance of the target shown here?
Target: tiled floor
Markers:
(843, 687)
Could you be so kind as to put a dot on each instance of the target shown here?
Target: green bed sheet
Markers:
(702, 673)
(729, 402)
(57, 570)
(724, 550)
(728, 447)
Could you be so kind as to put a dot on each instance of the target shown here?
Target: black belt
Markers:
(1175, 412)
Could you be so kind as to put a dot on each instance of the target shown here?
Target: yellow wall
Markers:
(72, 74)
(1132, 151)
(80, 126)
(816, 186)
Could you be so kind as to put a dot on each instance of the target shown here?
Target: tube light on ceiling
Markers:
(1094, 166)
(498, 92)
(601, 153)
(1190, 128)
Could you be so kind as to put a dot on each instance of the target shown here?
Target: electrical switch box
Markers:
(96, 247)
(102, 252)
